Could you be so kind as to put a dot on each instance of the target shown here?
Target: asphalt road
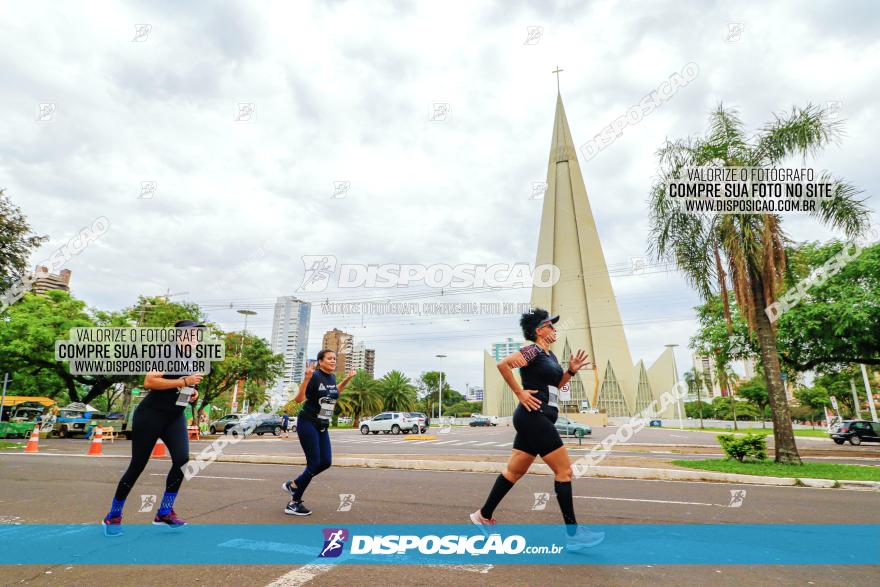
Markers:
(62, 489)
(498, 441)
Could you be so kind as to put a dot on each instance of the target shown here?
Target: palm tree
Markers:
(398, 394)
(361, 397)
(694, 380)
(746, 251)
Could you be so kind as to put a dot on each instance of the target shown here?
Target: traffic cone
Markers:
(97, 445)
(159, 450)
(34, 441)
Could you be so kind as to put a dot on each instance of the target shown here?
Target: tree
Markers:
(840, 383)
(27, 344)
(814, 399)
(16, 242)
(428, 385)
(695, 381)
(292, 408)
(838, 322)
(698, 409)
(360, 398)
(754, 391)
(247, 357)
(748, 249)
(398, 393)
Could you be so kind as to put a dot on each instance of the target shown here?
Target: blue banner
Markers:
(254, 544)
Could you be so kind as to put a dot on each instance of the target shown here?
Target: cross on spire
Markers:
(556, 71)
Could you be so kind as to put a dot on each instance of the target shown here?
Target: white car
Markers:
(390, 422)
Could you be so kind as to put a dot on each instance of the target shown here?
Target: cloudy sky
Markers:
(213, 137)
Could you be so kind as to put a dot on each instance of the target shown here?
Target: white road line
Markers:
(465, 442)
(209, 477)
(485, 443)
(445, 442)
(647, 500)
(482, 569)
(300, 576)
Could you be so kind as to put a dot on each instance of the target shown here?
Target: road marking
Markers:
(485, 443)
(465, 442)
(445, 442)
(209, 477)
(648, 500)
(482, 569)
(300, 576)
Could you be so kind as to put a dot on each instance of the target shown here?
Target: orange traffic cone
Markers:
(97, 445)
(159, 450)
(34, 441)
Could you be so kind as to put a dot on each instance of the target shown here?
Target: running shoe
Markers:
(478, 519)
(584, 538)
(112, 526)
(297, 508)
(289, 488)
(170, 519)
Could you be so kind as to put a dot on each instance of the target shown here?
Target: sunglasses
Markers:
(550, 324)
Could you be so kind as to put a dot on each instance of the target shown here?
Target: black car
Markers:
(262, 424)
(856, 431)
(480, 422)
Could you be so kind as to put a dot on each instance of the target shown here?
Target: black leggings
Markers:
(147, 426)
(535, 431)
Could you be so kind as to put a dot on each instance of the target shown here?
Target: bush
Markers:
(742, 447)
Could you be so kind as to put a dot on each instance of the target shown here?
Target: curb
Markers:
(542, 469)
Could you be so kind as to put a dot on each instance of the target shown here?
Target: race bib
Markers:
(554, 396)
(326, 406)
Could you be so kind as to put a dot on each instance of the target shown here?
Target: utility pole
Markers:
(3, 401)
(238, 384)
(440, 390)
(852, 386)
(870, 395)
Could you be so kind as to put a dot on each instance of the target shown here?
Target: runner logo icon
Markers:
(334, 541)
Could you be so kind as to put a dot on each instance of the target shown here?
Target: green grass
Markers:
(4, 444)
(771, 469)
(764, 431)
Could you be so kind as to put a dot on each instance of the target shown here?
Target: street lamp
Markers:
(440, 390)
(245, 313)
(671, 347)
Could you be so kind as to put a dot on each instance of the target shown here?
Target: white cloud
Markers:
(343, 91)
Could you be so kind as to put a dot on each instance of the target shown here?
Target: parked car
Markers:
(856, 431)
(570, 427)
(480, 421)
(426, 417)
(263, 423)
(225, 423)
(422, 419)
(390, 422)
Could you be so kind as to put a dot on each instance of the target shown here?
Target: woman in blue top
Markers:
(534, 419)
(320, 392)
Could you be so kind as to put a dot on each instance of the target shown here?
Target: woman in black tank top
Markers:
(534, 419)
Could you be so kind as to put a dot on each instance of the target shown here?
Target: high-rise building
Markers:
(44, 281)
(290, 334)
(705, 367)
(361, 358)
(474, 393)
(506, 348)
(342, 343)
(583, 296)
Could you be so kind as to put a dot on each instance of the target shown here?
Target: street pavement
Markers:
(58, 488)
(474, 443)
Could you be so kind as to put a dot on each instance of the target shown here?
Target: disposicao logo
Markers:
(334, 541)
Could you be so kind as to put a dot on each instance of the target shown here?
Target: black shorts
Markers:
(535, 431)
